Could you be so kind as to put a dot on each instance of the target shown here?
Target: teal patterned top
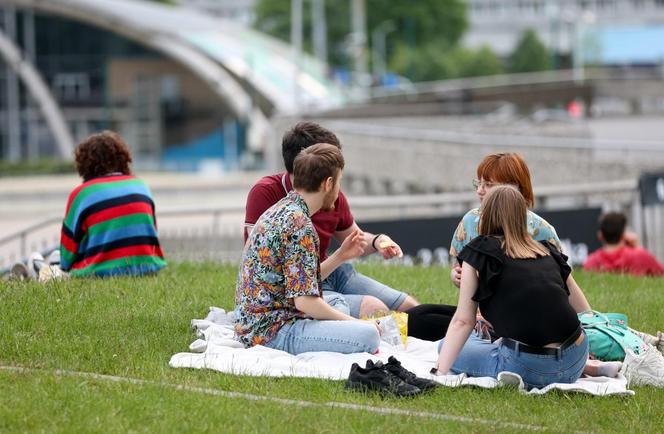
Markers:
(469, 226)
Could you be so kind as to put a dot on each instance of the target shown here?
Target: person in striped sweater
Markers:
(110, 226)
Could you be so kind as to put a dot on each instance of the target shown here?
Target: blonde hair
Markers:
(504, 212)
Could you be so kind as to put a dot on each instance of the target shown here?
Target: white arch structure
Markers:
(224, 54)
(41, 93)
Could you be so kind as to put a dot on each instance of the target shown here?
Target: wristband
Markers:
(373, 243)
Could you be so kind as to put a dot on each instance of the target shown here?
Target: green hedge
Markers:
(36, 167)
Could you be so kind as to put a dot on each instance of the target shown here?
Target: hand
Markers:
(483, 327)
(387, 247)
(380, 329)
(375, 322)
(353, 245)
(455, 275)
(630, 239)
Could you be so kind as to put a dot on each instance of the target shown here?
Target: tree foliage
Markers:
(433, 62)
(530, 54)
(423, 26)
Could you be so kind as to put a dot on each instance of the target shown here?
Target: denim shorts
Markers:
(353, 286)
(482, 358)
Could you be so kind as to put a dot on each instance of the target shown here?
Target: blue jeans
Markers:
(353, 286)
(305, 335)
(482, 358)
(336, 301)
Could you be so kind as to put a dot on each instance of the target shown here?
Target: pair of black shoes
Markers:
(388, 379)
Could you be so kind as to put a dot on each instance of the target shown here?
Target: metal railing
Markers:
(367, 208)
(214, 211)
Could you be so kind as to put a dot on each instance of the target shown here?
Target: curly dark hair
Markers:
(101, 154)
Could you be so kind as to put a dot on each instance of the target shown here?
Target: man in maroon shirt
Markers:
(344, 288)
(621, 252)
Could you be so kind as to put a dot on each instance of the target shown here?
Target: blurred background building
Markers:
(499, 24)
(185, 88)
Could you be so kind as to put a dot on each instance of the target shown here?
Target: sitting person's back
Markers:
(620, 252)
(524, 299)
(110, 224)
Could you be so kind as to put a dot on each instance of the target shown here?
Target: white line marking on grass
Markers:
(296, 402)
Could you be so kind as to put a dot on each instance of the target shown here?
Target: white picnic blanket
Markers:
(216, 349)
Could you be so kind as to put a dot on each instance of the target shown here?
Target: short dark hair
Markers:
(301, 136)
(612, 225)
(315, 164)
(101, 154)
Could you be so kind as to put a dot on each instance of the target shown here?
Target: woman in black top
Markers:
(521, 288)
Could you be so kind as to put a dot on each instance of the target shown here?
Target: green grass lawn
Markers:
(131, 327)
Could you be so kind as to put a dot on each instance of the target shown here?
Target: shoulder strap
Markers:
(621, 335)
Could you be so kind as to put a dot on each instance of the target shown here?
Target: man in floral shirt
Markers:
(278, 299)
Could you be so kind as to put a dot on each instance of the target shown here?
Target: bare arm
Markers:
(462, 322)
(383, 245)
(247, 230)
(631, 239)
(576, 297)
(351, 247)
(316, 308)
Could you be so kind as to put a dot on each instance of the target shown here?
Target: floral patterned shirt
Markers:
(280, 261)
(469, 227)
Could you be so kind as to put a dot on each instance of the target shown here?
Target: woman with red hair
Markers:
(430, 321)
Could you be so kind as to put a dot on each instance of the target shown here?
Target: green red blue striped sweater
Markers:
(110, 229)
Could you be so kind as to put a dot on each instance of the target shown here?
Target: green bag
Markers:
(608, 335)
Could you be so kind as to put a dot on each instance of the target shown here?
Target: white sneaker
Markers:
(50, 272)
(660, 342)
(645, 337)
(645, 369)
(53, 258)
(655, 341)
(35, 263)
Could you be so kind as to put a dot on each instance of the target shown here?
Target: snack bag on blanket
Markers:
(394, 326)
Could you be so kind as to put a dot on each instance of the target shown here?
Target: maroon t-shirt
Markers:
(636, 261)
(271, 189)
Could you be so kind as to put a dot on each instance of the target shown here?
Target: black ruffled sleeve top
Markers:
(524, 299)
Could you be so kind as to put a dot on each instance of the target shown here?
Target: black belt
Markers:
(513, 345)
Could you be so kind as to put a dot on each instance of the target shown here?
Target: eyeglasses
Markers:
(484, 184)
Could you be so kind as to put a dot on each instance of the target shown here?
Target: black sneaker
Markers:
(379, 379)
(394, 367)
